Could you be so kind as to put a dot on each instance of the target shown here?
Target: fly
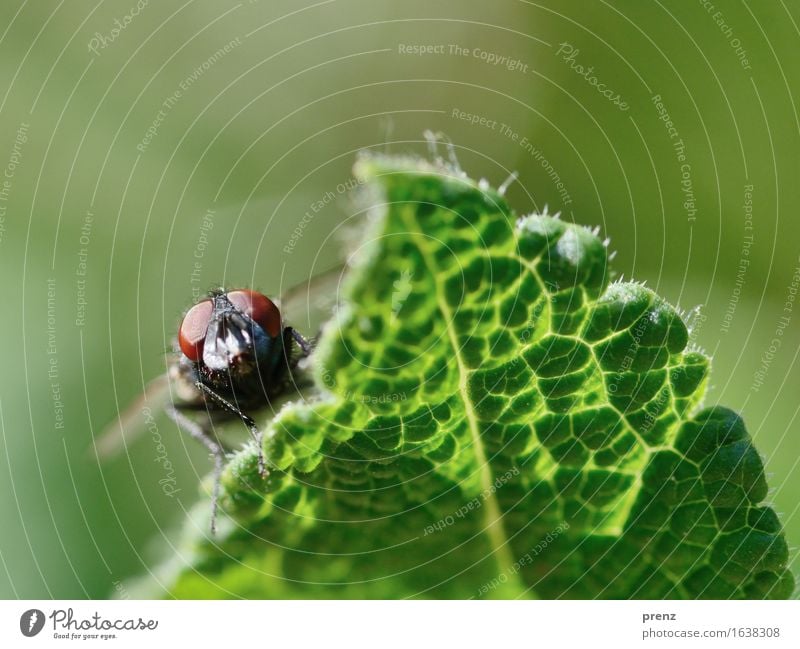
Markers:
(234, 356)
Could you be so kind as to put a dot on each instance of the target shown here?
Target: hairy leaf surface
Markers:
(494, 419)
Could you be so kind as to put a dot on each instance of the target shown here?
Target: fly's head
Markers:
(235, 334)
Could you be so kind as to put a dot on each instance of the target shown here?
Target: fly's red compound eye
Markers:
(192, 333)
(258, 307)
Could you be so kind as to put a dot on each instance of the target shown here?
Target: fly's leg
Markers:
(223, 403)
(292, 375)
(204, 436)
(306, 346)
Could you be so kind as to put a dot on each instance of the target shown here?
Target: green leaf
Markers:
(495, 419)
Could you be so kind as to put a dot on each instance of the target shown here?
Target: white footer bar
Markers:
(389, 625)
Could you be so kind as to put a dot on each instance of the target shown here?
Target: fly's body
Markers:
(234, 356)
(237, 354)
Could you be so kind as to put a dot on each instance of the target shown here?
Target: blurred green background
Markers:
(139, 140)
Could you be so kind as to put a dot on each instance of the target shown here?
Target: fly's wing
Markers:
(133, 420)
(308, 305)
